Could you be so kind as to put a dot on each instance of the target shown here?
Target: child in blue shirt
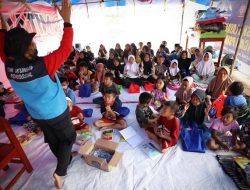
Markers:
(68, 91)
(235, 98)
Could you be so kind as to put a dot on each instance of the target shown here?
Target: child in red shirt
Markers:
(166, 130)
(77, 118)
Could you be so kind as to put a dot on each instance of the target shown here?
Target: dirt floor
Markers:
(238, 76)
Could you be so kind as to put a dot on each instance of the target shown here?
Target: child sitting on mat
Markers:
(158, 94)
(68, 91)
(224, 131)
(167, 129)
(110, 113)
(108, 85)
(174, 75)
(236, 99)
(86, 76)
(197, 112)
(77, 118)
(159, 70)
(71, 76)
(99, 74)
(117, 71)
(183, 94)
(144, 115)
(131, 72)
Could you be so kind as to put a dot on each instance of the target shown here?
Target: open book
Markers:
(131, 136)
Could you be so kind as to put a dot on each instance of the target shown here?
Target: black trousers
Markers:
(128, 81)
(2, 112)
(60, 135)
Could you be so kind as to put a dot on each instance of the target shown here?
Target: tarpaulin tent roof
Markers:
(121, 2)
(75, 2)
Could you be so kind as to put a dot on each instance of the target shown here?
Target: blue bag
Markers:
(88, 112)
(85, 90)
(212, 112)
(124, 111)
(192, 139)
(20, 118)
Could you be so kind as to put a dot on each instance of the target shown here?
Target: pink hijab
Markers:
(185, 95)
(100, 73)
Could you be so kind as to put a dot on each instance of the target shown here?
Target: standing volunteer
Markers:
(35, 80)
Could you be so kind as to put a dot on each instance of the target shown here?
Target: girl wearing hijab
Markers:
(118, 50)
(131, 72)
(102, 53)
(159, 70)
(197, 112)
(146, 67)
(126, 52)
(183, 94)
(173, 72)
(118, 71)
(198, 54)
(220, 83)
(134, 49)
(100, 73)
(204, 69)
(184, 64)
(110, 63)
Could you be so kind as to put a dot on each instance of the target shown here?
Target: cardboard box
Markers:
(97, 162)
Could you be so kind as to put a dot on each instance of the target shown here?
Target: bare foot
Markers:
(58, 181)
(164, 150)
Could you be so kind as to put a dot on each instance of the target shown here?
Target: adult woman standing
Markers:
(220, 83)
(35, 80)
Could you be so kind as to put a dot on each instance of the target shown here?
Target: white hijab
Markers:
(205, 67)
(173, 71)
(131, 70)
(131, 56)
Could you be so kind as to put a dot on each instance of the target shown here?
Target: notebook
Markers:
(131, 136)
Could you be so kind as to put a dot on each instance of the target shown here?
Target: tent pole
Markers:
(238, 43)
(182, 18)
(165, 5)
(87, 7)
(134, 6)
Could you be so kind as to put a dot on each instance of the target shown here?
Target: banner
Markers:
(235, 14)
(33, 17)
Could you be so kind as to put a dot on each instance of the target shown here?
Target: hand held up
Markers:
(65, 11)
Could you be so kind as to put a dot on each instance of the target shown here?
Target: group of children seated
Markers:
(137, 66)
(160, 117)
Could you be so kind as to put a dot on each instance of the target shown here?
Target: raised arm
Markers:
(54, 60)
(2, 36)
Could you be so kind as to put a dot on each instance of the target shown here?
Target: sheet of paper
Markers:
(135, 141)
(128, 133)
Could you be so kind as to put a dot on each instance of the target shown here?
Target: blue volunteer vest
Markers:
(43, 97)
